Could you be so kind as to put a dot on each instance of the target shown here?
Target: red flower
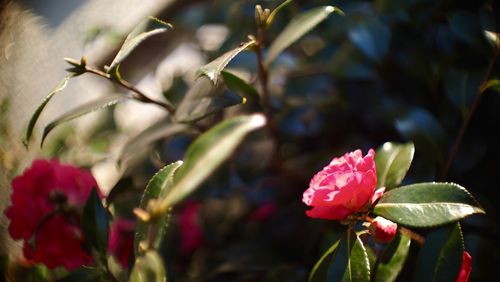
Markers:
(347, 185)
(465, 269)
(121, 240)
(44, 214)
(190, 230)
(383, 230)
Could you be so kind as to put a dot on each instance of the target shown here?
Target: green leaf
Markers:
(147, 28)
(83, 274)
(234, 82)
(213, 69)
(89, 107)
(372, 38)
(157, 187)
(392, 259)
(31, 124)
(320, 269)
(393, 161)
(159, 130)
(204, 98)
(441, 256)
(427, 204)
(273, 14)
(149, 268)
(492, 83)
(350, 262)
(208, 151)
(297, 28)
(95, 224)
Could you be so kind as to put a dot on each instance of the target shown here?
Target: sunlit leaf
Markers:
(89, 107)
(204, 98)
(157, 187)
(31, 125)
(350, 262)
(273, 14)
(149, 268)
(392, 259)
(157, 131)
(147, 28)
(297, 28)
(95, 223)
(213, 69)
(208, 151)
(427, 204)
(493, 83)
(441, 256)
(393, 161)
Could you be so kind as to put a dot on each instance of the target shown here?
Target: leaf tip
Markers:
(258, 120)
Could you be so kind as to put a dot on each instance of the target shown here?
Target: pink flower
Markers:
(465, 269)
(191, 233)
(383, 230)
(347, 185)
(44, 213)
(121, 240)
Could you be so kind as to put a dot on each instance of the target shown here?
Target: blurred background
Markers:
(388, 70)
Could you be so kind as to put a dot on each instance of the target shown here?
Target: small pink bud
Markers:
(383, 230)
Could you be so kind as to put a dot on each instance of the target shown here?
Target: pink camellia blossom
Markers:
(121, 240)
(383, 230)
(44, 213)
(465, 269)
(347, 185)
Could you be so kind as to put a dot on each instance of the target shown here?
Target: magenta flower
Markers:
(383, 230)
(346, 186)
(465, 269)
(44, 213)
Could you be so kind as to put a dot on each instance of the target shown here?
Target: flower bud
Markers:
(383, 230)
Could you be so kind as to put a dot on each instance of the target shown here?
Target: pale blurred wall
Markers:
(34, 37)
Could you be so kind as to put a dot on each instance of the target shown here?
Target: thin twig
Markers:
(468, 117)
(138, 94)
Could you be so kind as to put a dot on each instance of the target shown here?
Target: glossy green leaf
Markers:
(204, 98)
(147, 28)
(31, 124)
(213, 69)
(393, 161)
(235, 83)
(89, 107)
(95, 223)
(350, 262)
(427, 204)
(392, 259)
(320, 269)
(297, 28)
(208, 151)
(157, 131)
(158, 186)
(441, 256)
(149, 268)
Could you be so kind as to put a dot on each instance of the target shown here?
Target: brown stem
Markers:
(138, 94)
(468, 117)
(414, 236)
(263, 75)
